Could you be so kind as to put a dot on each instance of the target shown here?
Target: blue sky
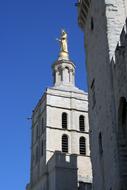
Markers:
(28, 48)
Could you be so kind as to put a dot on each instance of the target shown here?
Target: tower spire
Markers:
(64, 54)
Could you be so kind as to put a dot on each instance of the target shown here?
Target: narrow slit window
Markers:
(92, 24)
(100, 144)
(37, 154)
(93, 96)
(42, 125)
(42, 148)
(37, 132)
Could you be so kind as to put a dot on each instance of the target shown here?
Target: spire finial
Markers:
(63, 45)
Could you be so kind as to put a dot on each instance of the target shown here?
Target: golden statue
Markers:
(63, 45)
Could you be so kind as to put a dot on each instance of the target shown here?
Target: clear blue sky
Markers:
(28, 29)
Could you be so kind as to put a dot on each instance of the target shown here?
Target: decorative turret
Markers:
(63, 68)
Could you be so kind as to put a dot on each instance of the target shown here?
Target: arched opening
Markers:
(82, 123)
(82, 145)
(60, 75)
(66, 75)
(64, 120)
(65, 143)
(122, 142)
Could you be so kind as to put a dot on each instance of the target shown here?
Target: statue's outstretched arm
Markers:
(58, 39)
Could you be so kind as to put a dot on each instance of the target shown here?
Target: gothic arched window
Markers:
(64, 120)
(82, 145)
(65, 143)
(82, 123)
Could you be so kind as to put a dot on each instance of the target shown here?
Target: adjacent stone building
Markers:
(103, 23)
(60, 154)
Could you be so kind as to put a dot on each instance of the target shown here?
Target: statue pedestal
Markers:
(63, 55)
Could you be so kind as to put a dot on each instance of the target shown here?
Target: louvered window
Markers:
(82, 146)
(82, 123)
(64, 120)
(65, 143)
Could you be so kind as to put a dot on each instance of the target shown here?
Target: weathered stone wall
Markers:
(115, 17)
(102, 28)
(119, 68)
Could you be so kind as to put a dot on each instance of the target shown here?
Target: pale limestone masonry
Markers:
(112, 15)
(116, 15)
(102, 22)
(50, 168)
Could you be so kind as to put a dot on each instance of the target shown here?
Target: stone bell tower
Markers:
(60, 132)
(102, 22)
